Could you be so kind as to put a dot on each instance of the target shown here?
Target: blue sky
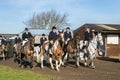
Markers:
(14, 12)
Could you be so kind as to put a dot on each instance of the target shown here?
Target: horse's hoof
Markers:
(22, 66)
(93, 67)
(19, 65)
(42, 67)
(58, 70)
(59, 66)
(77, 66)
(85, 65)
(52, 68)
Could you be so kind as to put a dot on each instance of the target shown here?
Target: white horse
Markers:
(91, 50)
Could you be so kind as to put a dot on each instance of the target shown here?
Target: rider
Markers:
(93, 33)
(25, 36)
(68, 35)
(42, 39)
(17, 40)
(53, 34)
(87, 38)
(52, 37)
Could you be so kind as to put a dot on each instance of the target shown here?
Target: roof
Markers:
(105, 28)
(39, 31)
(8, 35)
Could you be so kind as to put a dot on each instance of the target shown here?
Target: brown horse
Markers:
(61, 38)
(2, 53)
(4, 50)
(17, 52)
(71, 48)
(28, 51)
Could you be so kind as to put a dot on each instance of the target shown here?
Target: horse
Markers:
(71, 48)
(2, 54)
(28, 51)
(4, 50)
(17, 52)
(90, 50)
(56, 51)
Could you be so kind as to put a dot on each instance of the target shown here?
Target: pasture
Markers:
(106, 69)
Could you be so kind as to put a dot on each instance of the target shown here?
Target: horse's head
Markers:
(31, 42)
(61, 35)
(100, 38)
(77, 40)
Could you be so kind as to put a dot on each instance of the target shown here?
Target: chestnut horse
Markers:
(28, 52)
(72, 47)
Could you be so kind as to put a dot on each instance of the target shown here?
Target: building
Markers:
(111, 37)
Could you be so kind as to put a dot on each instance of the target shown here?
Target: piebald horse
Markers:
(56, 51)
(90, 50)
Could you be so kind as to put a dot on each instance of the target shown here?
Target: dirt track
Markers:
(105, 70)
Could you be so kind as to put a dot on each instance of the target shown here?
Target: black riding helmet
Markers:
(68, 28)
(26, 29)
(53, 27)
(43, 34)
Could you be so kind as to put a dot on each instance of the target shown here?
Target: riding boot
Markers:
(49, 47)
(22, 49)
(65, 48)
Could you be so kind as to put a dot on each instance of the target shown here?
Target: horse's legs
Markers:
(3, 55)
(92, 56)
(61, 63)
(64, 58)
(77, 60)
(57, 65)
(31, 58)
(50, 60)
(21, 60)
(85, 59)
(42, 58)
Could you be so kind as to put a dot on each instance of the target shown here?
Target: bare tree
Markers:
(46, 20)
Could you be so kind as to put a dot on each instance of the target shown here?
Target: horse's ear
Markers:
(59, 31)
(62, 31)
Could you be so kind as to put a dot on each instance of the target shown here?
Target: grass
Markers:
(7, 73)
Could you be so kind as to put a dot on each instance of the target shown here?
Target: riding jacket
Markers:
(87, 36)
(17, 40)
(53, 35)
(67, 35)
(26, 35)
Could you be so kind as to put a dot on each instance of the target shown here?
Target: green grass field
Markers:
(7, 73)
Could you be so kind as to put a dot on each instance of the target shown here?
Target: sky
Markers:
(14, 12)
